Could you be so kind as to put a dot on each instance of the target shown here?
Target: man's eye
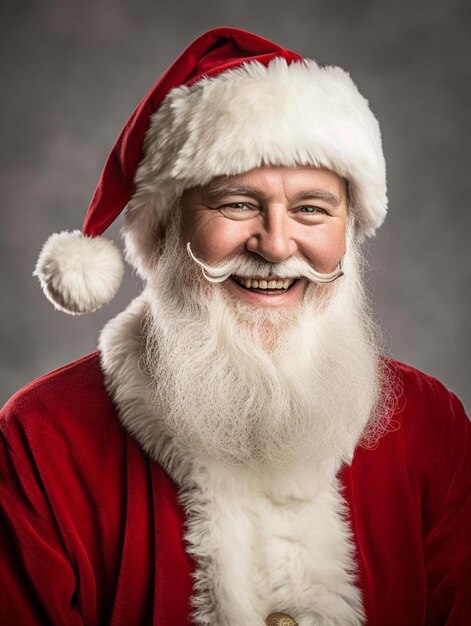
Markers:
(237, 205)
(239, 211)
(311, 210)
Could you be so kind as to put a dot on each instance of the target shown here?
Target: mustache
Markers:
(251, 267)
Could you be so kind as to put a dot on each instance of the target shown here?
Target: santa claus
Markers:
(238, 452)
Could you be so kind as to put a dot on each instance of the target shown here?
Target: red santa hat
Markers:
(231, 102)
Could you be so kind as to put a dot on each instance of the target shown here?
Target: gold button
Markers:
(280, 619)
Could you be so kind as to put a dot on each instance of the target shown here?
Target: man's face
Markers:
(273, 213)
(261, 376)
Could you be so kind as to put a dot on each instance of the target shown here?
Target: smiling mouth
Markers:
(265, 285)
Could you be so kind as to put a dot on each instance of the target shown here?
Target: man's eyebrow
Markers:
(318, 194)
(214, 192)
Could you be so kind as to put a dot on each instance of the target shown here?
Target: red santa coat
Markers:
(91, 528)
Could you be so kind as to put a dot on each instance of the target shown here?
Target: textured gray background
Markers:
(72, 72)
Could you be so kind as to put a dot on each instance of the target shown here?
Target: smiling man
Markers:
(238, 451)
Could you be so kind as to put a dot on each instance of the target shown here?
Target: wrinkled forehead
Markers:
(293, 181)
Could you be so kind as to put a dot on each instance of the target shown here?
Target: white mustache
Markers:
(251, 267)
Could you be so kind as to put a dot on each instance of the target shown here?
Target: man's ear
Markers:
(143, 233)
(145, 230)
(355, 224)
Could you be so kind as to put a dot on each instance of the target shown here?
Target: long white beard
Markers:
(250, 385)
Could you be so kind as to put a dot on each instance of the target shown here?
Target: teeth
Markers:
(279, 283)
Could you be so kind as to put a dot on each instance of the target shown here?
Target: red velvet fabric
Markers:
(91, 529)
(213, 52)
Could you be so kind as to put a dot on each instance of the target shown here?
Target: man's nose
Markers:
(272, 237)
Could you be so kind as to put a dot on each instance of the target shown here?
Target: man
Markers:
(238, 452)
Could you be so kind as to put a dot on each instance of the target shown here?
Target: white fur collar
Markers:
(262, 544)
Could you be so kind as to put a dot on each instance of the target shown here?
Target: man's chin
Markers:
(267, 319)
(266, 325)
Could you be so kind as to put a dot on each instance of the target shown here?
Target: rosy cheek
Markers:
(215, 240)
(325, 252)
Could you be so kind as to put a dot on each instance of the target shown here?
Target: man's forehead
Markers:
(274, 169)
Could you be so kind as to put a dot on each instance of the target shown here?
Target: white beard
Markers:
(252, 386)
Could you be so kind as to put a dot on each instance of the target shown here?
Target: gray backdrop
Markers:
(72, 72)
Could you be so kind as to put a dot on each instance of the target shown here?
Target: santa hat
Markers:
(231, 102)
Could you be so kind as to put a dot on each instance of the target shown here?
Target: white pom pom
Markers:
(79, 274)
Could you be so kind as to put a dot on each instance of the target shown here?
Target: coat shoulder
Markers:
(430, 432)
(72, 394)
(421, 395)
(71, 376)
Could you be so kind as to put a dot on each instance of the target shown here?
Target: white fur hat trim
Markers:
(79, 274)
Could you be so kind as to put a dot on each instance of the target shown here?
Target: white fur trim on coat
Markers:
(262, 542)
(280, 114)
(79, 274)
